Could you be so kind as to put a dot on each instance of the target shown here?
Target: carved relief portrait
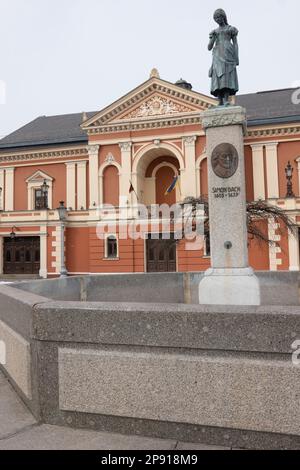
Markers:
(225, 161)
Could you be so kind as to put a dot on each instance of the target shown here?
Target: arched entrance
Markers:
(155, 168)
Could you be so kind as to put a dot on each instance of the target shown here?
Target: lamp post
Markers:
(62, 212)
(1, 208)
(289, 170)
(12, 235)
(45, 189)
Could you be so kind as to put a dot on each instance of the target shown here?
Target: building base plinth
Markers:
(229, 287)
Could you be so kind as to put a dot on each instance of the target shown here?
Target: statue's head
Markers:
(220, 17)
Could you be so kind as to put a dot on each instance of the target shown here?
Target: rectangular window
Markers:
(112, 247)
(40, 199)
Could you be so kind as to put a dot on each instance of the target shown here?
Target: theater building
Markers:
(130, 152)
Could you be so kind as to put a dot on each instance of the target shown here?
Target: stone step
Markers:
(18, 277)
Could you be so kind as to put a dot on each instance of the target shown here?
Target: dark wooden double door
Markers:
(161, 256)
(22, 255)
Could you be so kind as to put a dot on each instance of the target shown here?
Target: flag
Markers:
(173, 185)
(132, 190)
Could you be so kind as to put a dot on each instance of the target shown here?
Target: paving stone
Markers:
(191, 446)
(14, 416)
(48, 437)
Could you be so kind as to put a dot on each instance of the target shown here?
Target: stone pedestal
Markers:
(230, 281)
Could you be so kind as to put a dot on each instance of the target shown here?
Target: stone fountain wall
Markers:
(198, 373)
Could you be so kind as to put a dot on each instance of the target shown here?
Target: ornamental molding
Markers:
(38, 177)
(155, 98)
(93, 150)
(125, 146)
(46, 155)
(274, 132)
(229, 117)
(190, 140)
(172, 121)
(157, 106)
(110, 158)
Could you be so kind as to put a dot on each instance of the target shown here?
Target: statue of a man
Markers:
(223, 41)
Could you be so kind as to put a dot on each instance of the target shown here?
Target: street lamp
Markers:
(62, 212)
(13, 233)
(45, 189)
(289, 170)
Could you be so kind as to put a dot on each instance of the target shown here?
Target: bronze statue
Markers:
(223, 74)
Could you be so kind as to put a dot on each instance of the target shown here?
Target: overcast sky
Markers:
(65, 56)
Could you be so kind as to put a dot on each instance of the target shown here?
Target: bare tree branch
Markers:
(257, 212)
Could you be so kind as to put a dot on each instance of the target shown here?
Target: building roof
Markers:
(268, 107)
(48, 130)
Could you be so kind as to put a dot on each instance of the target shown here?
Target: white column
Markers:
(43, 253)
(126, 176)
(272, 170)
(198, 182)
(71, 185)
(188, 177)
(294, 260)
(1, 192)
(93, 175)
(258, 172)
(9, 189)
(81, 185)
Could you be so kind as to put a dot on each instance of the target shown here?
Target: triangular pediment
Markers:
(39, 177)
(153, 99)
(158, 105)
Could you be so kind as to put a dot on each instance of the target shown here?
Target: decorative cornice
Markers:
(44, 155)
(273, 132)
(163, 122)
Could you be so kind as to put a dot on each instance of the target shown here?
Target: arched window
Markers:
(111, 247)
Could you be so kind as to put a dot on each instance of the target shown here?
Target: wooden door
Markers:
(161, 256)
(22, 255)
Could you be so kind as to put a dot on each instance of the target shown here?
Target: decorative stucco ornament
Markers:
(156, 106)
(154, 73)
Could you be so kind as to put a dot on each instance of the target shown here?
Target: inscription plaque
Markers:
(225, 161)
